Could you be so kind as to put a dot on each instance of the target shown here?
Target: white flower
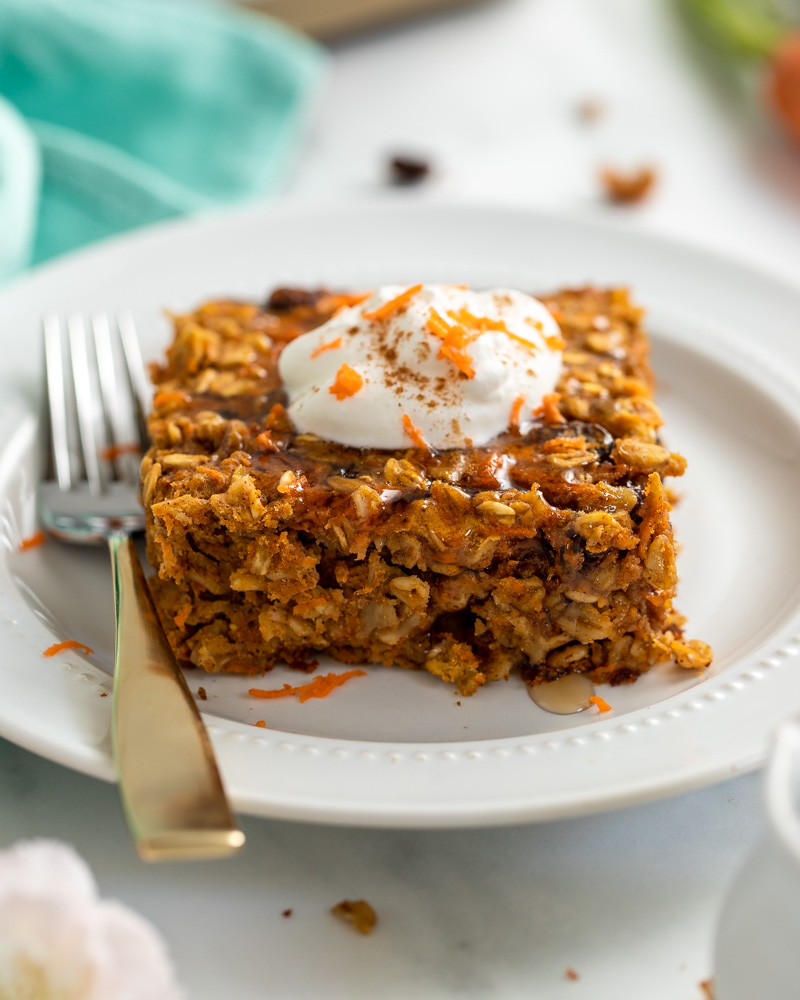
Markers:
(59, 941)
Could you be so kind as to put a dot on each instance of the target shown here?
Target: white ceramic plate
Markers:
(398, 748)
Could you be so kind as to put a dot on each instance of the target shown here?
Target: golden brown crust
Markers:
(549, 552)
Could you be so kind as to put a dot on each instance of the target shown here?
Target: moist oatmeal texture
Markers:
(549, 552)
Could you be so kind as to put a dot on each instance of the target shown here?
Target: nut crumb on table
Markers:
(357, 912)
(628, 188)
(590, 109)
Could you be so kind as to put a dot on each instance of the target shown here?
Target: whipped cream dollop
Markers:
(428, 365)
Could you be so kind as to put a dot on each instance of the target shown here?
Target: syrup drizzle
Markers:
(568, 695)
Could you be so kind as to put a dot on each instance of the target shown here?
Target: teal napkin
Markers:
(116, 113)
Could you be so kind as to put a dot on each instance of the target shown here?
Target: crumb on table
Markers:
(407, 170)
(590, 109)
(358, 912)
(627, 188)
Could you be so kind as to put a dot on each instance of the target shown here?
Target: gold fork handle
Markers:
(170, 786)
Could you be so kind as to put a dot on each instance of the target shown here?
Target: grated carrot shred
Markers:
(555, 342)
(393, 304)
(320, 687)
(602, 704)
(59, 647)
(169, 400)
(480, 323)
(516, 409)
(521, 340)
(115, 450)
(265, 442)
(331, 346)
(454, 341)
(338, 302)
(549, 411)
(183, 613)
(31, 542)
(277, 418)
(347, 383)
(315, 602)
(414, 433)
(261, 724)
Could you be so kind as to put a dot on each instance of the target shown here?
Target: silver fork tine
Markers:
(136, 373)
(116, 401)
(56, 402)
(91, 441)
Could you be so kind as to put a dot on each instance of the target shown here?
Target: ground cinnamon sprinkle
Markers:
(59, 647)
(414, 433)
(320, 687)
(516, 409)
(393, 304)
(32, 541)
(331, 346)
(602, 704)
(549, 411)
(347, 383)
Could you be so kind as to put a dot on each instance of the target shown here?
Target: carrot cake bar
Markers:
(463, 482)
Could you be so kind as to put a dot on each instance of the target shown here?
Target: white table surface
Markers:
(628, 900)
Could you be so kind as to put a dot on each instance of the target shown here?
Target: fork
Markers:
(91, 429)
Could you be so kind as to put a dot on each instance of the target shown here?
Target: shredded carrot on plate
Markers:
(330, 346)
(320, 687)
(261, 724)
(347, 383)
(59, 647)
(414, 433)
(38, 538)
(602, 704)
(382, 312)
